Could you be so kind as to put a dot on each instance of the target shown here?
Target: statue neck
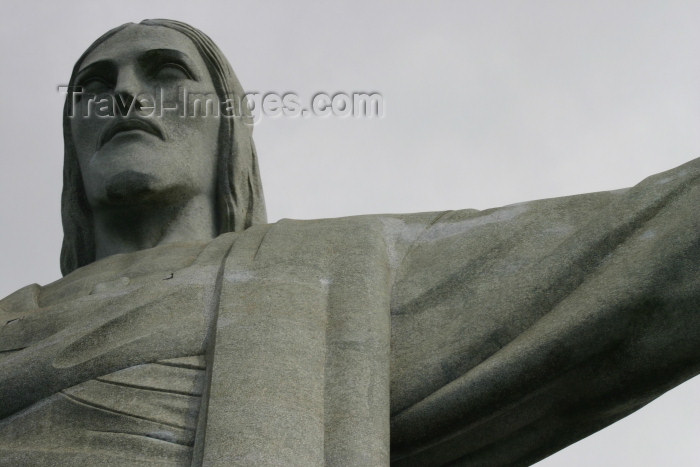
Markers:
(129, 228)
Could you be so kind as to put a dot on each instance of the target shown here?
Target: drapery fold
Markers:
(591, 305)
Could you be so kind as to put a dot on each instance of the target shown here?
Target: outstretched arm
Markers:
(520, 330)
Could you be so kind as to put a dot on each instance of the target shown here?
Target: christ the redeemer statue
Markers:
(188, 331)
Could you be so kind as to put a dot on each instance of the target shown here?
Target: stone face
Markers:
(158, 144)
(462, 337)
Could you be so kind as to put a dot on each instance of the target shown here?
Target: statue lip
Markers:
(129, 125)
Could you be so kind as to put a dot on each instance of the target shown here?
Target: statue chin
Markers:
(130, 187)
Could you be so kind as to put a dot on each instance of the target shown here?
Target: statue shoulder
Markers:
(19, 302)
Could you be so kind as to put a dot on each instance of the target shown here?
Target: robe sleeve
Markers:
(519, 330)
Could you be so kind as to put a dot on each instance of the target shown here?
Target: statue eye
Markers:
(172, 71)
(93, 86)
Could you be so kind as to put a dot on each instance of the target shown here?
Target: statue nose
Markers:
(126, 102)
(128, 82)
(127, 88)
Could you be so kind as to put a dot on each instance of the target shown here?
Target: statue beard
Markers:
(130, 188)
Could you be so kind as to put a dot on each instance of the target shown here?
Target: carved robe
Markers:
(466, 337)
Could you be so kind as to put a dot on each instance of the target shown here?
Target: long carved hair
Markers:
(240, 202)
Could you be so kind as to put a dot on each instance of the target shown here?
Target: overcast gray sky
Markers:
(486, 103)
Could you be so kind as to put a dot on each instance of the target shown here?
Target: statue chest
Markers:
(108, 365)
(124, 311)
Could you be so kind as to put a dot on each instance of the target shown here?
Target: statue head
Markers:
(226, 140)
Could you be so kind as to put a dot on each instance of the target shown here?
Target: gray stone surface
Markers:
(187, 331)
